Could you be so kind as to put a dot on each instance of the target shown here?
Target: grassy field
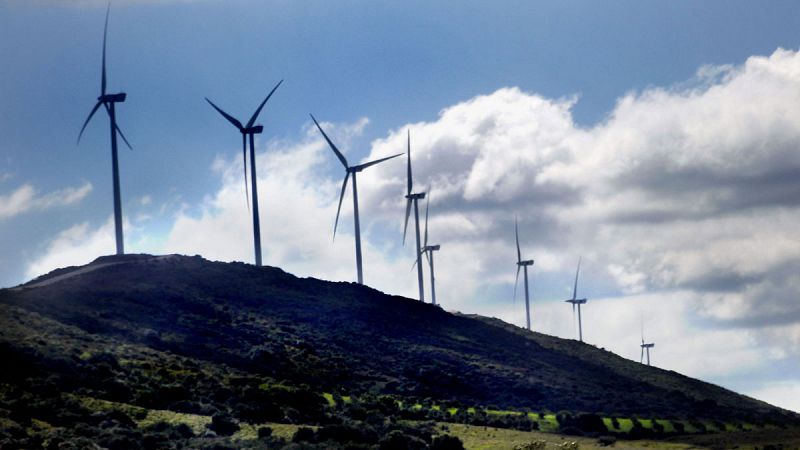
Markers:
(488, 438)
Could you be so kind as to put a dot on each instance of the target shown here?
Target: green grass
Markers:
(548, 423)
(668, 427)
(625, 425)
(329, 398)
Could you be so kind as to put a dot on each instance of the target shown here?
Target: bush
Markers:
(264, 432)
(223, 425)
(446, 442)
(344, 434)
(397, 440)
(304, 434)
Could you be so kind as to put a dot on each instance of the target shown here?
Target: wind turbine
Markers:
(348, 171)
(577, 301)
(414, 198)
(428, 251)
(524, 265)
(250, 130)
(645, 348)
(108, 101)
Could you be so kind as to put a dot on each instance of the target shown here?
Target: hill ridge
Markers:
(180, 333)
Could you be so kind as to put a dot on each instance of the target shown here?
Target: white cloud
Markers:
(74, 246)
(25, 199)
(785, 394)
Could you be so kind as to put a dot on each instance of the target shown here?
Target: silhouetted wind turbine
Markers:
(577, 301)
(428, 251)
(414, 198)
(348, 171)
(250, 130)
(524, 265)
(108, 101)
(645, 348)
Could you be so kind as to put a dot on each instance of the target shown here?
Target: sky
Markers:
(657, 141)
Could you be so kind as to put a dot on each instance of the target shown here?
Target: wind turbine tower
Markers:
(109, 101)
(414, 198)
(577, 301)
(524, 266)
(428, 251)
(351, 170)
(645, 348)
(250, 130)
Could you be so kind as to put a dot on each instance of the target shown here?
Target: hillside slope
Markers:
(353, 339)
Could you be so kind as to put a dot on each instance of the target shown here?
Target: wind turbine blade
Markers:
(341, 197)
(330, 143)
(258, 111)
(427, 203)
(516, 281)
(116, 127)
(105, 33)
(122, 136)
(516, 234)
(377, 161)
(405, 226)
(94, 110)
(575, 288)
(230, 118)
(244, 166)
(410, 182)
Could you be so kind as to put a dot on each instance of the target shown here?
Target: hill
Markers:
(244, 344)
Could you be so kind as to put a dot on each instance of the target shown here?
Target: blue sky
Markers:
(565, 91)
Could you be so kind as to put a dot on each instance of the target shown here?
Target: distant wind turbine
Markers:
(414, 198)
(577, 301)
(645, 348)
(108, 101)
(250, 130)
(524, 265)
(351, 170)
(428, 251)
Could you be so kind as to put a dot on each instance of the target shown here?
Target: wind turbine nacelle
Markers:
(525, 263)
(418, 196)
(432, 247)
(112, 98)
(253, 130)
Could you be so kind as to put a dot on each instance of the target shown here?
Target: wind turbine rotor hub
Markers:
(112, 98)
(258, 129)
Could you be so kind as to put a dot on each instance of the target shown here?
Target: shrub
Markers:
(397, 440)
(223, 425)
(304, 434)
(264, 432)
(446, 442)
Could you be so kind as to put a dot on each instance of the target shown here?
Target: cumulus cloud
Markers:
(77, 245)
(25, 199)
